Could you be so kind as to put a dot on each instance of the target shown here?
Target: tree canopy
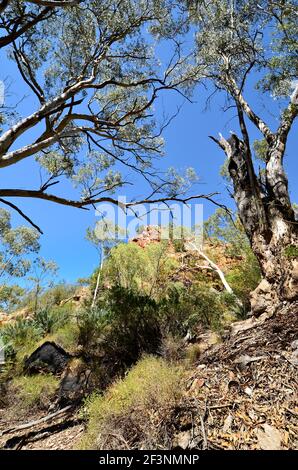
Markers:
(93, 97)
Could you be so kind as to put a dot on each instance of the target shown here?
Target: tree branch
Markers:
(39, 194)
(55, 3)
(15, 34)
(17, 209)
(253, 117)
(289, 115)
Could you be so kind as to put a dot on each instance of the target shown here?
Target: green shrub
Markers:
(122, 328)
(91, 322)
(19, 333)
(34, 390)
(291, 251)
(185, 309)
(245, 278)
(135, 412)
(133, 326)
(144, 271)
(50, 319)
(66, 336)
(56, 294)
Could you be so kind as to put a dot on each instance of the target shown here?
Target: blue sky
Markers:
(187, 145)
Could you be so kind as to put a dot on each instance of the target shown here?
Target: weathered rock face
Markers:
(261, 297)
(23, 313)
(81, 295)
(49, 357)
(150, 234)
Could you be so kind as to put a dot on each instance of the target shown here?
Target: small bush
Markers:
(136, 411)
(58, 293)
(121, 330)
(91, 322)
(186, 309)
(66, 336)
(245, 278)
(50, 319)
(19, 337)
(291, 251)
(172, 348)
(34, 390)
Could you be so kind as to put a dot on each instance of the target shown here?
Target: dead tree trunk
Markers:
(268, 218)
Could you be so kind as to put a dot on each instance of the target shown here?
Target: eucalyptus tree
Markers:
(240, 44)
(93, 75)
(42, 277)
(16, 246)
(104, 236)
(19, 17)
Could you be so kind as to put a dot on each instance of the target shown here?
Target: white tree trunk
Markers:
(214, 267)
(97, 282)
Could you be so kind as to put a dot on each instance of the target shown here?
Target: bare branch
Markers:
(289, 116)
(55, 3)
(253, 117)
(19, 211)
(40, 194)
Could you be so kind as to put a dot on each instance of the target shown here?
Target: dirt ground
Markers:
(242, 394)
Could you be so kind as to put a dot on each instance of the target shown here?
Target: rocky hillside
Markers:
(239, 394)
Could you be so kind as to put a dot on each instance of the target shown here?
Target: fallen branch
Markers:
(31, 424)
(215, 268)
(17, 442)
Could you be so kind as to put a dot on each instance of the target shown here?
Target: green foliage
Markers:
(282, 62)
(230, 43)
(19, 332)
(186, 309)
(291, 251)
(133, 325)
(136, 409)
(225, 228)
(261, 149)
(103, 55)
(122, 327)
(48, 320)
(56, 294)
(16, 246)
(10, 296)
(34, 390)
(91, 323)
(22, 336)
(66, 336)
(42, 276)
(142, 270)
(127, 266)
(244, 278)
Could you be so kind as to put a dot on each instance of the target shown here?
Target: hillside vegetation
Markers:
(126, 361)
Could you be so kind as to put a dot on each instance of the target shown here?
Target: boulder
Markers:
(261, 297)
(49, 357)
